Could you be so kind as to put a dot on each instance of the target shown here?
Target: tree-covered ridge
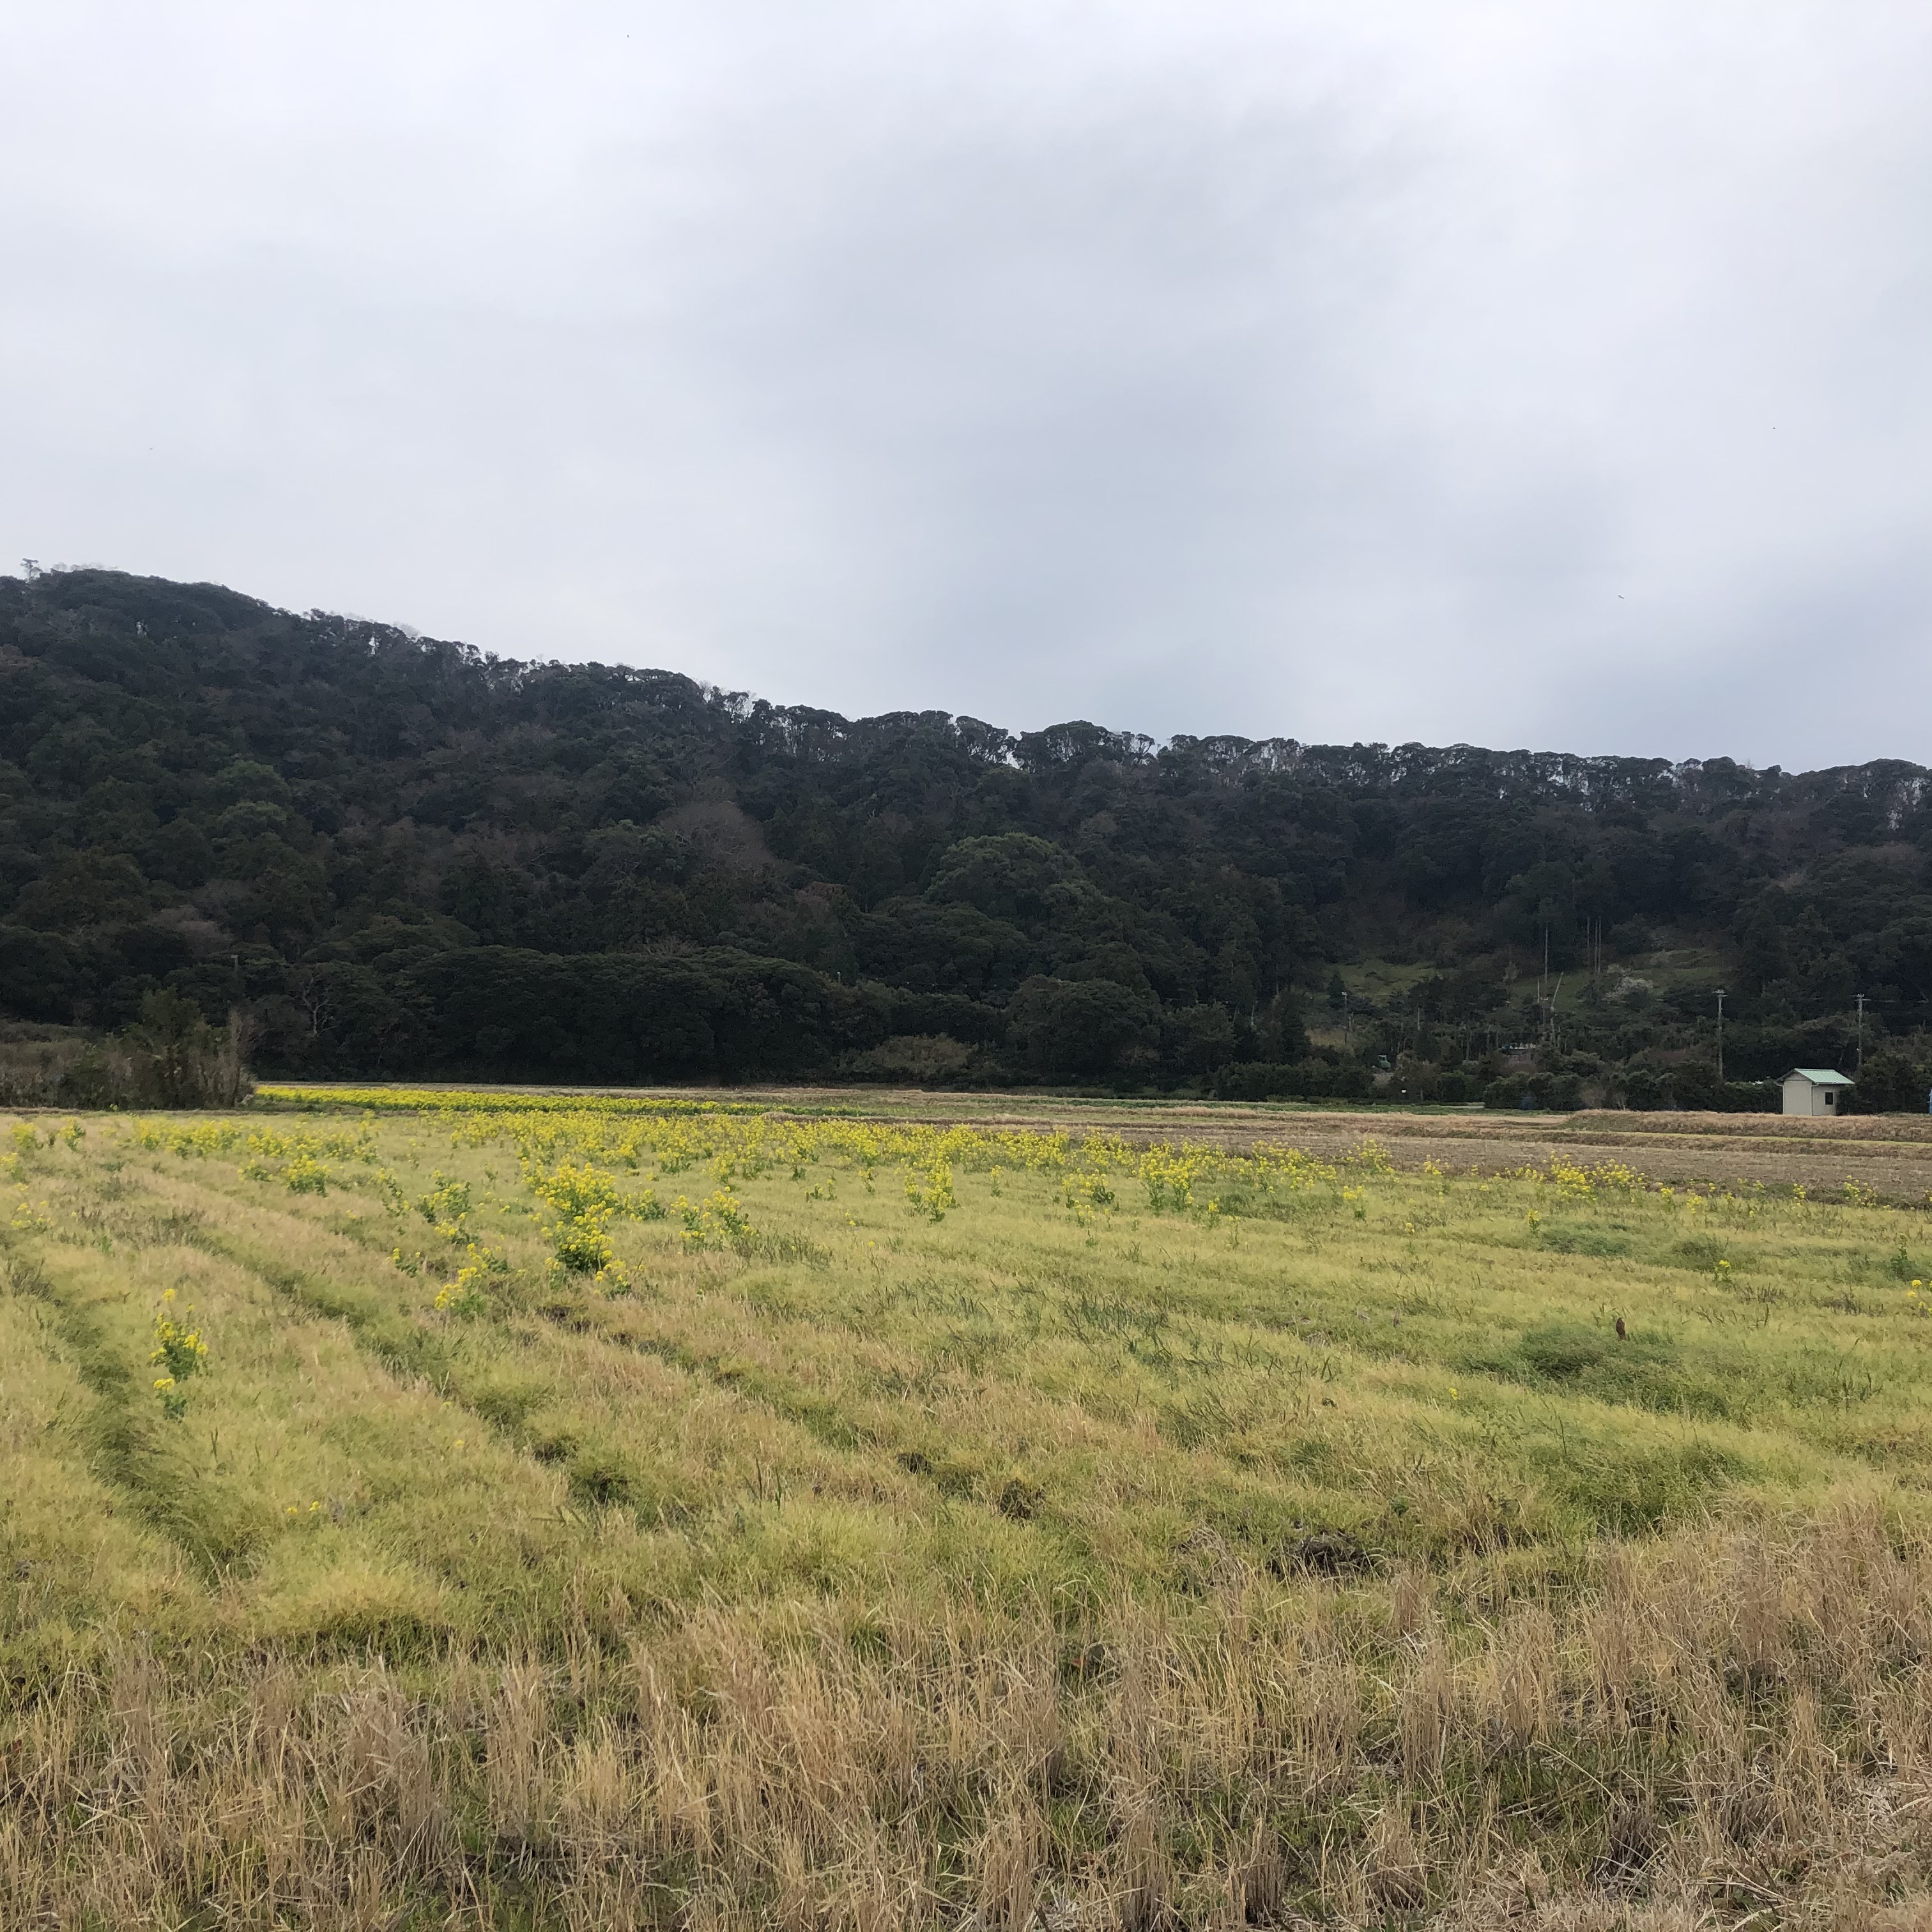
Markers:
(403, 854)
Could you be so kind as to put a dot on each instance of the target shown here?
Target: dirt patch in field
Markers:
(1891, 1154)
(1897, 1171)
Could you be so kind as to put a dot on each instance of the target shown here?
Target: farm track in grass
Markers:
(583, 1515)
(124, 1436)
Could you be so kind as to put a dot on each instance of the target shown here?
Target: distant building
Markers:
(1815, 1090)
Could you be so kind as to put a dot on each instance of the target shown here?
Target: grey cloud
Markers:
(1551, 375)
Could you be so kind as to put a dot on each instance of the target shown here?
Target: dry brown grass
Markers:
(1722, 1725)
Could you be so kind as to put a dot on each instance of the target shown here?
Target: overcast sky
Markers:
(1535, 374)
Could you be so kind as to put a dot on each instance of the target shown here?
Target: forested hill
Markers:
(402, 856)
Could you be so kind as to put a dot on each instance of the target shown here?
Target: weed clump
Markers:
(179, 1352)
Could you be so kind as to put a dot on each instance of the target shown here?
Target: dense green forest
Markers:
(399, 855)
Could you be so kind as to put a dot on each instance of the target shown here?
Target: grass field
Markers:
(423, 1511)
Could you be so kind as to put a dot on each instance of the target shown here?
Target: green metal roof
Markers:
(1822, 1076)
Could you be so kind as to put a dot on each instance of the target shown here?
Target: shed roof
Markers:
(1821, 1076)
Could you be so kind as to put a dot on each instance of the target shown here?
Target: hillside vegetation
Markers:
(397, 855)
(514, 1513)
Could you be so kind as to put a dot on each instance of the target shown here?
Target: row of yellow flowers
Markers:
(558, 1134)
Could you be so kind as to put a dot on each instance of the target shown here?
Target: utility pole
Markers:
(1720, 1035)
(1860, 1066)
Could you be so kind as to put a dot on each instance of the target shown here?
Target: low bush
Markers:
(172, 1058)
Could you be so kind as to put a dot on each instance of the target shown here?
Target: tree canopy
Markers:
(401, 855)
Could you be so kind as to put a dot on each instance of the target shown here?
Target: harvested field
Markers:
(464, 1513)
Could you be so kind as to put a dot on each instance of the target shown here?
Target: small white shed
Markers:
(1815, 1090)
